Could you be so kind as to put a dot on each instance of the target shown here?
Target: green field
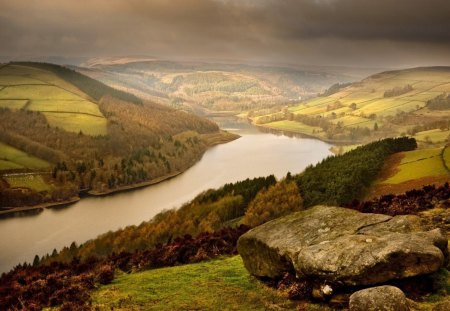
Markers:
(64, 106)
(13, 104)
(73, 106)
(446, 156)
(419, 164)
(363, 104)
(434, 136)
(34, 182)
(12, 158)
(76, 122)
(293, 126)
(222, 284)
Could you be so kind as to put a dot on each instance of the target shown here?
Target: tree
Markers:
(278, 200)
(375, 126)
(36, 261)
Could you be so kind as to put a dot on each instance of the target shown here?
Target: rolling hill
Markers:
(404, 102)
(63, 132)
(214, 87)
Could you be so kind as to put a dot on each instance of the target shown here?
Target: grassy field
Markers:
(34, 182)
(446, 156)
(293, 126)
(64, 105)
(12, 158)
(364, 103)
(412, 170)
(221, 284)
(433, 136)
(13, 104)
(418, 164)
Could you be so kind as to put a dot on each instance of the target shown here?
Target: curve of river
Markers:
(254, 154)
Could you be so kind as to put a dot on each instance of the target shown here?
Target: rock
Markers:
(343, 246)
(381, 298)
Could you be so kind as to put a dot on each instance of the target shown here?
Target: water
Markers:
(254, 154)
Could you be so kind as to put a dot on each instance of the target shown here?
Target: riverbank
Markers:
(211, 140)
(16, 211)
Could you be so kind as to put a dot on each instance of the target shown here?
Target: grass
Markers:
(64, 105)
(13, 104)
(294, 126)
(17, 80)
(74, 106)
(37, 92)
(34, 182)
(418, 164)
(221, 284)
(368, 96)
(12, 158)
(76, 122)
(433, 136)
(446, 157)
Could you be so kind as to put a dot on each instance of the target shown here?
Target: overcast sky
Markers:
(386, 33)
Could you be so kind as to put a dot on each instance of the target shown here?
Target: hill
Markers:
(412, 169)
(214, 87)
(405, 102)
(195, 286)
(63, 132)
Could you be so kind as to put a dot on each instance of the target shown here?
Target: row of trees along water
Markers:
(336, 180)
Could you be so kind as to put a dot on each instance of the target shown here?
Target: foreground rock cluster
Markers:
(339, 247)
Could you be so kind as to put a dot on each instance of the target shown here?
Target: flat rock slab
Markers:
(343, 246)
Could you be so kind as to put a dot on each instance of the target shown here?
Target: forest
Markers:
(144, 141)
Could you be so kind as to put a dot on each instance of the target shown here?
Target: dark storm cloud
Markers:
(313, 31)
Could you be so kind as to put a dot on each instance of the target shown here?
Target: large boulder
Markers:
(381, 298)
(343, 246)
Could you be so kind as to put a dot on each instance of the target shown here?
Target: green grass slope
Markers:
(386, 104)
(413, 169)
(36, 88)
(222, 284)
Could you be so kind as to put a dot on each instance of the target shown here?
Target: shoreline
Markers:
(35, 209)
(11, 211)
(304, 135)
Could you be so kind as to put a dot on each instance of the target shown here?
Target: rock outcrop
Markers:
(381, 298)
(343, 246)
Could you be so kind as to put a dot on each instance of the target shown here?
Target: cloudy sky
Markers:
(388, 33)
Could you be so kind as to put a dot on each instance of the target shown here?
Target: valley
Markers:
(386, 104)
(64, 134)
(212, 88)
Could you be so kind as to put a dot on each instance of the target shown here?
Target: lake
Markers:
(254, 154)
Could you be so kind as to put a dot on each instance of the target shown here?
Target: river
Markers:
(254, 154)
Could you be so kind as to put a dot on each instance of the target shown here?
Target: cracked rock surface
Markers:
(343, 246)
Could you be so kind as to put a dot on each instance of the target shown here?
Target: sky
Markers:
(360, 33)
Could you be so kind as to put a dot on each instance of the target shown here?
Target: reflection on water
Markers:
(254, 154)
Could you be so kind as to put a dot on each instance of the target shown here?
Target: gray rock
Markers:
(381, 298)
(344, 246)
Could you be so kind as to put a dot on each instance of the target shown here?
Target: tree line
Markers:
(337, 180)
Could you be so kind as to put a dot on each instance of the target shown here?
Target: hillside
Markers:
(63, 132)
(412, 169)
(214, 87)
(405, 102)
(137, 259)
(172, 289)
